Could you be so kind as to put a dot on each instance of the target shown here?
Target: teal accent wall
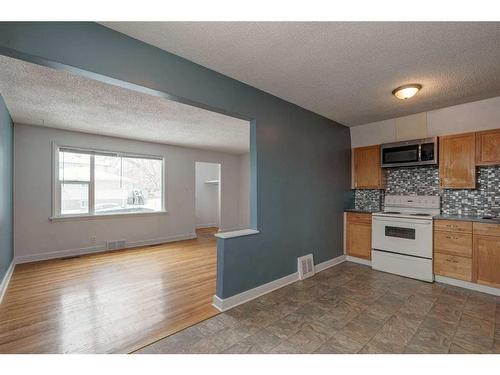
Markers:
(300, 161)
(6, 179)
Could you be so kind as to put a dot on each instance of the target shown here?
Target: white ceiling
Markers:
(37, 95)
(342, 70)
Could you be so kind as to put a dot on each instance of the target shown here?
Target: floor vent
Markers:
(305, 265)
(115, 245)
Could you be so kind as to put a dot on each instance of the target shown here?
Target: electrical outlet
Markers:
(93, 239)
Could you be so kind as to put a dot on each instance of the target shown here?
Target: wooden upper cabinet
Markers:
(366, 171)
(488, 147)
(457, 161)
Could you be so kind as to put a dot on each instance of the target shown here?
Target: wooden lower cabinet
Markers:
(453, 249)
(473, 256)
(359, 235)
(487, 260)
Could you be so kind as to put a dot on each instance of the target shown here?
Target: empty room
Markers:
(285, 192)
(118, 198)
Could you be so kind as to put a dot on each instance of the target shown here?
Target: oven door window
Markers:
(402, 154)
(398, 232)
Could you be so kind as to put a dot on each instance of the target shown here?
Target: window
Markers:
(100, 183)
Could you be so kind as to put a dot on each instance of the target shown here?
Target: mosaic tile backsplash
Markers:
(485, 200)
(368, 199)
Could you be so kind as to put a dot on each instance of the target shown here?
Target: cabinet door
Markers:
(367, 173)
(359, 240)
(487, 260)
(488, 147)
(457, 166)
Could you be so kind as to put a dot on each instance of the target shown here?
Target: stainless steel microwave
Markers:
(409, 153)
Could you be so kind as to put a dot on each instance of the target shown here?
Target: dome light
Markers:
(406, 91)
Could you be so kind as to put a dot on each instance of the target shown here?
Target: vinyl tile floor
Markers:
(349, 308)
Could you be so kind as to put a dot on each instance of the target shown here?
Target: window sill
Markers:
(105, 216)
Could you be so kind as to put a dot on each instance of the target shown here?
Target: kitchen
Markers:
(369, 217)
(428, 207)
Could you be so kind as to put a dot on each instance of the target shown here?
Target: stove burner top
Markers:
(392, 212)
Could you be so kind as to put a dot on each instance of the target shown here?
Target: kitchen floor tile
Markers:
(349, 308)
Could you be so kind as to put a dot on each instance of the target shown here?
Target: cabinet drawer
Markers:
(453, 226)
(359, 217)
(487, 229)
(453, 243)
(453, 266)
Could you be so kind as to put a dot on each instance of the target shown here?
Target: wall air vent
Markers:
(115, 245)
(305, 265)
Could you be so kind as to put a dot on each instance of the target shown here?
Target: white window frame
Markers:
(56, 184)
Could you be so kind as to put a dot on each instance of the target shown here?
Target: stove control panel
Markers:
(412, 201)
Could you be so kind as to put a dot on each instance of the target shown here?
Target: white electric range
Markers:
(402, 236)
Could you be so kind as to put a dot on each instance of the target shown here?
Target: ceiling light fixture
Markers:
(406, 91)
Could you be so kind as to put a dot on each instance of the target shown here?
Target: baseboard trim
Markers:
(329, 263)
(358, 260)
(6, 279)
(467, 285)
(238, 299)
(203, 226)
(98, 249)
(224, 304)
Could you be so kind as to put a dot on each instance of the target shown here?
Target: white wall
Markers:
(463, 118)
(36, 237)
(207, 195)
(245, 191)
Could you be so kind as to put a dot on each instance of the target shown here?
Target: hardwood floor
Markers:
(114, 302)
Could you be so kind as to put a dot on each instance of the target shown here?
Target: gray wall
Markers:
(300, 162)
(6, 152)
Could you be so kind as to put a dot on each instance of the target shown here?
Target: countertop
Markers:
(478, 219)
(360, 211)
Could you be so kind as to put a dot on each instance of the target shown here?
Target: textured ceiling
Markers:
(38, 95)
(342, 70)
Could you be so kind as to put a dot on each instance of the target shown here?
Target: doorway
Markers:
(208, 195)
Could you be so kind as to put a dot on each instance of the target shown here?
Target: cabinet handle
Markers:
(452, 261)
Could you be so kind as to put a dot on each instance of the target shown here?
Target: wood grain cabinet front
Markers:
(457, 161)
(453, 249)
(453, 266)
(488, 147)
(366, 170)
(459, 244)
(468, 251)
(486, 267)
(359, 235)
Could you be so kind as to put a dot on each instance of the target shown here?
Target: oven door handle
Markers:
(402, 222)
